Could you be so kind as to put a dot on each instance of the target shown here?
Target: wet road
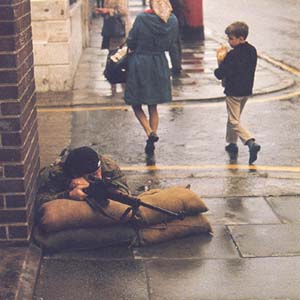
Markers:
(191, 136)
(190, 133)
(274, 24)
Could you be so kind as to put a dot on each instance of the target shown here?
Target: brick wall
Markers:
(19, 152)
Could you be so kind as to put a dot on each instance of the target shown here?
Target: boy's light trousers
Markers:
(235, 106)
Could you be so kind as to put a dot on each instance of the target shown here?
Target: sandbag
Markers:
(63, 214)
(172, 230)
(174, 198)
(83, 238)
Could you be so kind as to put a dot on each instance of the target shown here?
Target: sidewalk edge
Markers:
(29, 274)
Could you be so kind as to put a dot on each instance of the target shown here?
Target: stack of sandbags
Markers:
(154, 227)
(74, 224)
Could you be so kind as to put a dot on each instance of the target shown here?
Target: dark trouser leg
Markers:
(176, 57)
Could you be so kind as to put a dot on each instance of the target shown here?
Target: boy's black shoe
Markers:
(253, 149)
(232, 148)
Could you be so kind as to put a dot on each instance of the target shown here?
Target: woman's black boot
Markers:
(153, 138)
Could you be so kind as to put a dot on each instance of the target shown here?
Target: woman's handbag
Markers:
(117, 65)
(113, 27)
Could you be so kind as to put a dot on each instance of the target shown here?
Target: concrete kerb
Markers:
(20, 267)
(62, 101)
(29, 274)
(286, 84)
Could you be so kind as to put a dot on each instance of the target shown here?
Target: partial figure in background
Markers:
(114, 8)
(176, 52)
(100, 3)
(154, 32)
(236, 70)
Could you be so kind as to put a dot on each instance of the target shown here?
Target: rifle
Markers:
(101, 192)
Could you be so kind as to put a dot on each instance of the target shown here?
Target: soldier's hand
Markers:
(79, 182)
(77, 194)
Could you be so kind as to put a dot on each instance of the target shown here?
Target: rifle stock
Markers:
(100, 193)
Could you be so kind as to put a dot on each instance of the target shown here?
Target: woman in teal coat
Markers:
(153, 32)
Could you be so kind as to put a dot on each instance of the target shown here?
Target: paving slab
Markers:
(229, 279)
(267, 240)
(240, 210)
(220, 245)
(69, 279)
(287, 208)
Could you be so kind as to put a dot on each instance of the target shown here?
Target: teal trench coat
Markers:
(148, 81)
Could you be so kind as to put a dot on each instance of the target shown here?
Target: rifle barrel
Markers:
(136, 202)
(178, 215)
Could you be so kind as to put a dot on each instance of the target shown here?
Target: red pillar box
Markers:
(193, 28)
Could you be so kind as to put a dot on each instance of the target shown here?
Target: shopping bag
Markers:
(117, 65)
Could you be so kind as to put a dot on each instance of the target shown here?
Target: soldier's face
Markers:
(98, 174)
(93, 176)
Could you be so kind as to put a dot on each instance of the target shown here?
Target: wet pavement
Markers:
(197, 81)
(252, 255)
(255, 211)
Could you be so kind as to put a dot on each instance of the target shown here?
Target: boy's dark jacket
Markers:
(238, 70)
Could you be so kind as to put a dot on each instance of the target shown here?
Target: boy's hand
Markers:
(221, 53)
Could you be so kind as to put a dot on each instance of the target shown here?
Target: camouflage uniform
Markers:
(54, 184)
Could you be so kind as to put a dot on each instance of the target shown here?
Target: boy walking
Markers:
(236, 70)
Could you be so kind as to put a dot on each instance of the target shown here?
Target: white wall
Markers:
(59, 33)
